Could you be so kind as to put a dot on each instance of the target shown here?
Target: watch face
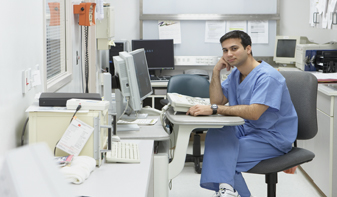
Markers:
(214, 106)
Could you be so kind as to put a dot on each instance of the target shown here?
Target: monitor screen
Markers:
(159, 53)
(142, 73)
(286, 48)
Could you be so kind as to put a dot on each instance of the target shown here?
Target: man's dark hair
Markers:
(245, 38)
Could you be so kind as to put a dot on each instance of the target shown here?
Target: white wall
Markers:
(21, 47)
(295, 21)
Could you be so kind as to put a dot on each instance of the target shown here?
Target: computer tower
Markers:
(114, 51)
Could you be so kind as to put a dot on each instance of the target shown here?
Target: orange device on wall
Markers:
(54, 8)
(86, 12)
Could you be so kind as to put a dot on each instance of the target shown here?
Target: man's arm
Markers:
(248, 112)
(215, 90)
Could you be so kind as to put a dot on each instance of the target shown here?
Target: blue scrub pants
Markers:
(228, 152)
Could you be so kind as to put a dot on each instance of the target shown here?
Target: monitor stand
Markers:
(134, 116)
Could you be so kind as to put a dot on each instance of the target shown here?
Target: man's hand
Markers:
(222, 64)
(198, 110)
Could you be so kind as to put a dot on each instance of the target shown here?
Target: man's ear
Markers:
(249, 49)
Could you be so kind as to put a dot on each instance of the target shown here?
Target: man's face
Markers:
(233, 51)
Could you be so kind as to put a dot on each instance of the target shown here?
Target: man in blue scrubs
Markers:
(256, 92)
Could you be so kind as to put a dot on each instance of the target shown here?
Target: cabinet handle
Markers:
(314, 18)
(334, 18)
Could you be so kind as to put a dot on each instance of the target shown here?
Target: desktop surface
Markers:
(205, 121)
(116, 179)
(154, 132)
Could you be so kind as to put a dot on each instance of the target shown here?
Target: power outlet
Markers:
(195, 60)
(26, 80)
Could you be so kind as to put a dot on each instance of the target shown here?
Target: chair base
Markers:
(271, 180)
(197, 158)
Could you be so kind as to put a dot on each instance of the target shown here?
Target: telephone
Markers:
(86, 12)
(181, 103)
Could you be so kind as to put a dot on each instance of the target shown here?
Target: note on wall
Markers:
(236, 25)
(170, 30)
(214, 30)
(258, 31)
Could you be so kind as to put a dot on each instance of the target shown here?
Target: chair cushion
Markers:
(295, 157)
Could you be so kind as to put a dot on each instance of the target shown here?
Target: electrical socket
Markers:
(26, 81)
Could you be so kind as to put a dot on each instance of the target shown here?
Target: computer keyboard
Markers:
(161, 78)
(126, 152)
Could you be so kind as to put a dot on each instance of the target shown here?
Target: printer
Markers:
(306, 58)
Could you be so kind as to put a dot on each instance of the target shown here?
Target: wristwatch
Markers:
(214, 107)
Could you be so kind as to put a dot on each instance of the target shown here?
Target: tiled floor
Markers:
(186, 184)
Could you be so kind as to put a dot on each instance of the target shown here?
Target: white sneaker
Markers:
(228, 193)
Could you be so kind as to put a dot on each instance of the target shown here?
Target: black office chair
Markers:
(303, 91)
(196, 86)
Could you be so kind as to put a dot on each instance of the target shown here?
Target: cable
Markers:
(23, 132)
(86, 64)
(78, 108)
(126, 107)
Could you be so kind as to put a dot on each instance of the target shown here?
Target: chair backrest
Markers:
(303, 91)
(190, 85)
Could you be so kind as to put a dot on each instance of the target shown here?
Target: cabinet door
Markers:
(319, 168)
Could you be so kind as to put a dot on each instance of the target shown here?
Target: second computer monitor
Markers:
(159, 53)
(131, 67)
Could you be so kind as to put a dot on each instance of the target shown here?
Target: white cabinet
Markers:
(322, 169)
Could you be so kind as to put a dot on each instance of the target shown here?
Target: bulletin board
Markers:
(193, 15)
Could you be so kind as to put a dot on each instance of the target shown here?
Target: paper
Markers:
(236, 25)
(170, 30)
(75, 137)
(321, 77)
(214, 31)
(258, 31)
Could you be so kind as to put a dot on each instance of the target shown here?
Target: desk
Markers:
(160, 159)
(152, 132)
(116, 179)
(183, 126)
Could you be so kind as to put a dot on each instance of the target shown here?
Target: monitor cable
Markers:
(86, 60)
(23, 132)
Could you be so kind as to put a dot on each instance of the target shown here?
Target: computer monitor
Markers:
(159, 53)
(114, 51)
(285, 47)
(132, 70)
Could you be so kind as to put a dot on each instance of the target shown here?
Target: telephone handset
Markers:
(86, 12)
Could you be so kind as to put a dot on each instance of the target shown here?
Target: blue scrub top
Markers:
(265, 85)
